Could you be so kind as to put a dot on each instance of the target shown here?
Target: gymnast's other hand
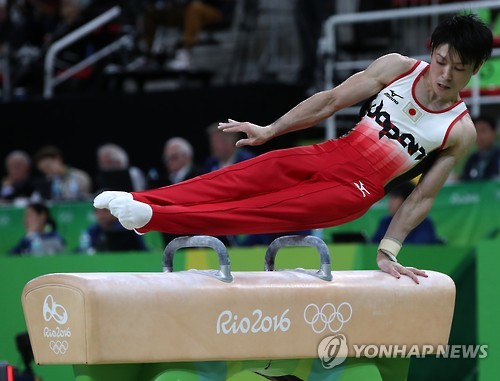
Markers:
(256, 135)
(396, 269)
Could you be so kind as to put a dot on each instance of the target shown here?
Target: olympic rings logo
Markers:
(59, 347)
(328, 316)
(52, 310)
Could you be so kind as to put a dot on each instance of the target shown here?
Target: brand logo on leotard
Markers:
(392, 96)
(389, 130)
(362, 188)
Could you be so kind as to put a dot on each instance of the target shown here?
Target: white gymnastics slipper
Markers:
(131, 214)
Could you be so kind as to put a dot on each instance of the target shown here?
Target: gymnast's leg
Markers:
(311, 204)
(265, 173)
(284, 190)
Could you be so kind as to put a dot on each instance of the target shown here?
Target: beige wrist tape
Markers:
(390, 246)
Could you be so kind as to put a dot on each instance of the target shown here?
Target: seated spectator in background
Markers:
(178, 160)
(223, 151)
(17, 184)
(190, 16)
(424, 233)
(484, 162)
(60, 181)
(115, 171)
(41, 236)
(107, 234)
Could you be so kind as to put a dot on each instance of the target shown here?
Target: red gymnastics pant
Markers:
(284, 190)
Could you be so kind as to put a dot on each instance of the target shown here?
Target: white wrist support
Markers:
(390, 247)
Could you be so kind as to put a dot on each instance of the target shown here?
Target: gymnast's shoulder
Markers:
(391, 66)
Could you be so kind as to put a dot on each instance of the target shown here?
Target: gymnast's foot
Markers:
(131, 214)
(103, 199)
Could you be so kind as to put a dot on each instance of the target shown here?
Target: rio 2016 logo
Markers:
(332, 350)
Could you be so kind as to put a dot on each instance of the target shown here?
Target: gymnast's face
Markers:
(448, 75)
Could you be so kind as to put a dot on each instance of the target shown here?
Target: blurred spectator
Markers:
(25, 350)
(484, 162)
(41, 20)
(74, 14)
(27, 23)
(107, 234)
(41, 236)
(223, 151)
(179, 165)
(60, 181)
(424, 233)
(190, 16)
(51, 21)
(178, 158)
(23, 33)
(17, 184)
(309, 17)
(115, 172)
(12, 22)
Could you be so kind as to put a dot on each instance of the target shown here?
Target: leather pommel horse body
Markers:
(201, 315)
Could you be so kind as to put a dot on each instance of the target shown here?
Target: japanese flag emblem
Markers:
(412, 112)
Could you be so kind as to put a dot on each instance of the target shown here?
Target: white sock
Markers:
(103, 199)
(131, 214)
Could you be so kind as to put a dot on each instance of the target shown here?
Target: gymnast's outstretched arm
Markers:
(324, 104)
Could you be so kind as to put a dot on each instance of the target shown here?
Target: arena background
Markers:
(141, 123)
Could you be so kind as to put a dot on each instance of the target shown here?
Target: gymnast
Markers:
(414, 122)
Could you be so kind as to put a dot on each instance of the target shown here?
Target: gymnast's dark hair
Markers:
(467, 35)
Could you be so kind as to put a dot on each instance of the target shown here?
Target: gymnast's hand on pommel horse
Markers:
(413, 122)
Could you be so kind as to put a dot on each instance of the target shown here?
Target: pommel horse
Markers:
(213, 324)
